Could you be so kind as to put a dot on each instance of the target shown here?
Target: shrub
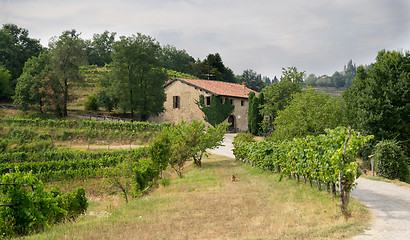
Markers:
(33, 208)
(91, 103)
(390, 161)
(244, 137)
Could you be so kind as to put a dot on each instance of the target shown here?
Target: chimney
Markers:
(244, 85)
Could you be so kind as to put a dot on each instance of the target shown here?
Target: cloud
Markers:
(318, 36)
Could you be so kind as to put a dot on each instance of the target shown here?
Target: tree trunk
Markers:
(65, 100)
(343, 193)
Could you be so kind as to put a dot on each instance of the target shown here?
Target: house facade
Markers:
(182, 93)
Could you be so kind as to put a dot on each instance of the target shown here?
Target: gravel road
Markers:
(389, 203)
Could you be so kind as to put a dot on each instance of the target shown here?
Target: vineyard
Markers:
(328, 159)
(29, 157)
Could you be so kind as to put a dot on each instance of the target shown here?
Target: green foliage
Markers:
(389, 160)
(317, 158)
(216, 112)
(175, 74)
(68, 55)
(278, 95)
(244, 137)
(5, 89)
(31, 89)
(32, 208)
(190, 141)
(252, 80)
(177, 61)
(74, 203)
(138, 77)
(16, 48)
(308, 113)
(378, 101)
(160, 150)
(99, 48)
(255, 116)
(91, 103)
(212, 68)
(120, 178)
(240, 141)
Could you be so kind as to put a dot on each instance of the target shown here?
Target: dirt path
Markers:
(389, 203)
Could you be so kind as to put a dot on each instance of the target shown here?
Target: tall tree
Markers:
(31, 82)
(213, 68)
(277, 95)
(100, 47)
(138, 77)
(68, 54)
(253, 80)
(255, 117)
(16, 48)
(177, 60)
(5, 90)
(311, 80)
(378, 102)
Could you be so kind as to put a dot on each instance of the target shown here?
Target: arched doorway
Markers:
(231, 120)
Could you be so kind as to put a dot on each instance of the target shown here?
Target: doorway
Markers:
(231, 120)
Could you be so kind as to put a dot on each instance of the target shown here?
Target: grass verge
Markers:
(206, 204)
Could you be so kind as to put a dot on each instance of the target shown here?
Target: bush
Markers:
(91, 103)
(34, 209)
(390, 161)
(244, 137)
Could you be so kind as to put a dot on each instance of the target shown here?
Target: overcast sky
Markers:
(316, 36)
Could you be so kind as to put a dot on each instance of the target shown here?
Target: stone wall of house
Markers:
(189, 111)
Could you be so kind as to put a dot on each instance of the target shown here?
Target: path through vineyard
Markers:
(389, 203)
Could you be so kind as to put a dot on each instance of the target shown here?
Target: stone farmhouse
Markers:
(182, 93)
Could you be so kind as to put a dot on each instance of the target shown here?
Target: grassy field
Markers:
(206, 204)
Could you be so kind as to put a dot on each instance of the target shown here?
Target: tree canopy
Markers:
(68, 54)
(16, 47)
(99, 48)
(278, 94)
(379, 99)
(138, 76)
(308, 113)
(253, 80)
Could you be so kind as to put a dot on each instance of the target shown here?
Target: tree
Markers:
(308, 113)
(213, 68)
(16, 48)
(177, 60)
(349, 73)
(255, 116)
(267, 81)
(30, 84)
(68, 54)
(190, 142)
(99, 48)
(378, 102)
(216, 112)
(338, 80)
(138, 77)
(311, 80)
(253, 80)
(5, 90)
(278, 94)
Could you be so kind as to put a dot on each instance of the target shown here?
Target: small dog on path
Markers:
(233, 178)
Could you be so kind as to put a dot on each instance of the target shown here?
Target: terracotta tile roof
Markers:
(218, 88)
